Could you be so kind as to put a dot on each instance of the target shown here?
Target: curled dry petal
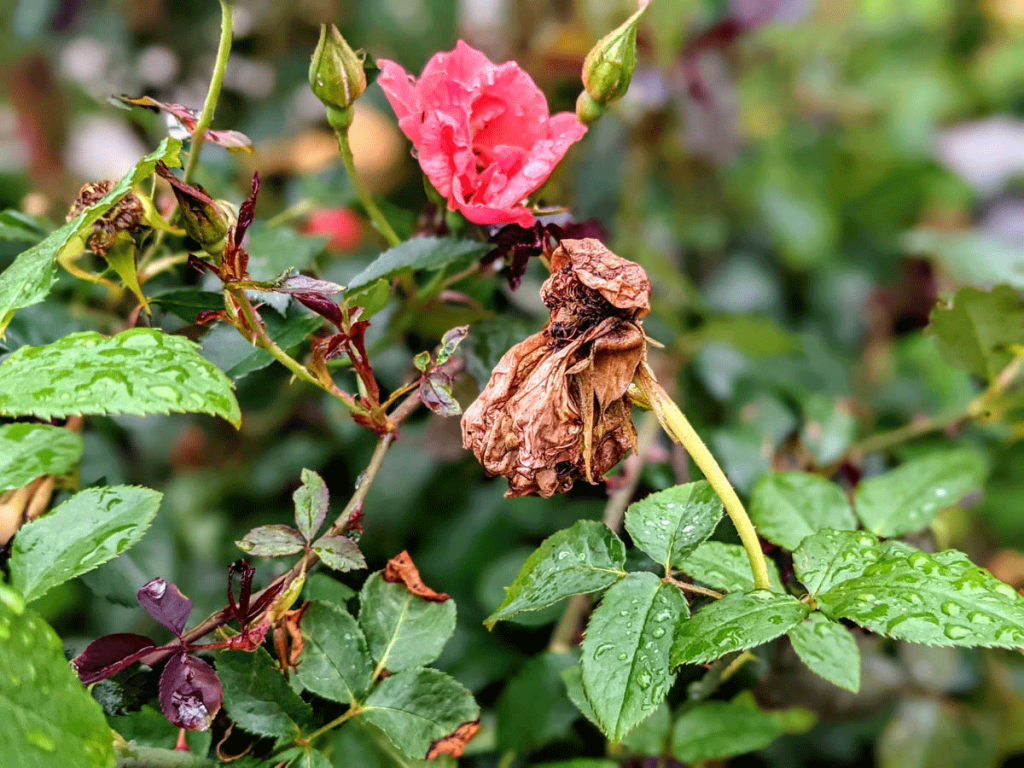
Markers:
(555, 408)
(401, 568)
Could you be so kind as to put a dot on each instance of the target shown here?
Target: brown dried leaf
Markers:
(455, 743)
(401, 568)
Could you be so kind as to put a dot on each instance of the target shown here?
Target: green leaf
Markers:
(310, 758)
(670, 524)
(906, 499)
(725, 567)
(274, 249)
(828, 649)
(975, 333)
(573, 679)
(578, 560)
(187, 303)
(534, 707)
(49, 718)
(450, 343)
(138, 371)
(226, 348)
(29, 279)
(312, 500)
(941, 599)
(28, 451)
(651, 737)
(150, 728)
(271, 541)
(418, 706)
(429, 253)
(339, 553)
(373, 298)
(84, 532)
(720, 729)
(626, 670)
(258, 698)
(828, 557)
(786, 507)
(334, 663)
(403, 630)
(828, 429)
(736, 622)
(15, 225)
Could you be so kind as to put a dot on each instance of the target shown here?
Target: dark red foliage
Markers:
(517, 245)
(165, 603)
(109, 655)
(190, 692)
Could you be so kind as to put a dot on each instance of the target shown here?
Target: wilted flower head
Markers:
(127, 215)
(556, 408)
(482, 132)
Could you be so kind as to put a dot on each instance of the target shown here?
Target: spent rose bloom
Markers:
(481, 131)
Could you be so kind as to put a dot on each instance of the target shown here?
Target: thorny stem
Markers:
(679, 429)
(694, 588)
(564, 634)
(225, 615)
(378, 218)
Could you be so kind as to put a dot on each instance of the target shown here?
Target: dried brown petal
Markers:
(555, 408)
(455, 743)
(401, 568)
(127, 215)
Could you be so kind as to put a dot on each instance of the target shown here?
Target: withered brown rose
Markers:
(127, 215)
(555, 408)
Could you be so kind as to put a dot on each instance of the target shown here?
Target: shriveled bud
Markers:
(126, 215)
(205, 220)
(609, 67)
(336, 76)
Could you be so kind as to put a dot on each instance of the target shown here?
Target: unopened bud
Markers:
(588, 110)
(336, 76)
(609, 66)
(205, 220)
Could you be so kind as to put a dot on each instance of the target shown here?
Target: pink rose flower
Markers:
(481, 132)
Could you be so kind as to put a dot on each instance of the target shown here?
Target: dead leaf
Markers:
(401, 568)
(454, 744)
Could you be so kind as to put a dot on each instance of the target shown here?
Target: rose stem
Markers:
(564, 634)
(679, 429)
(378, 218)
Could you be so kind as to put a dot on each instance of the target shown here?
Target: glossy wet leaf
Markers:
(721, 729)
(428, 253)
(29, 279)
(190, 692)
(625, 661)
(403, 630)
(28, 451)
(578, 560)
(829, 557)
(670, 524)
(725, 567)
(165, 602)
(975, 333)
(271, 541)
(335, 662)
(84, 532)
(573, 679)
(534, 707)
(312, 500)
(828, 649)
(736, 622)
(49, 718)
(257, 697)
(417, 707)
(906, 499)
(941, 599)
(786, 507)
(339, 553)
(138, 371)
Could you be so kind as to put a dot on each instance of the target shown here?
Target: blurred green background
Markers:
(803, 181)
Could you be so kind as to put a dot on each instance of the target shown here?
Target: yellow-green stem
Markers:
(679, 429)
(375, 214)
(350, 712)
(220, 66)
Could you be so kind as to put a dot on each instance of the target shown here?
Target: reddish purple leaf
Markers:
(108, 655)
(165, 603)
(231, 140)
(304, 284)
(190, 693)
(323, 306)
(247, 212)
(241, 608)
(436, 394)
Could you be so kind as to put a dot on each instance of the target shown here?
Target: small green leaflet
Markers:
(403, 630)
(941, 599)
(87, 530)
(258, 698)
(625, 661)
(417, 707)
(28, 451)
(670, 524)
(311, 500)
(828, 557)
(720, 729)
(976, 331)
(578, 560)
(49, 718)
(335, 663)
(905, 499)
(725, 567)
(736, 622)
(29, 279)
(828, 649)
(429, 253)
(786, 507)
(138, 371)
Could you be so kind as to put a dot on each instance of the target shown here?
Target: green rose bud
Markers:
(336, 76)
(205, 220)
(608, 68)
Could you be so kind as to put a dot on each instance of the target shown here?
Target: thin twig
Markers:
(376, 216)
